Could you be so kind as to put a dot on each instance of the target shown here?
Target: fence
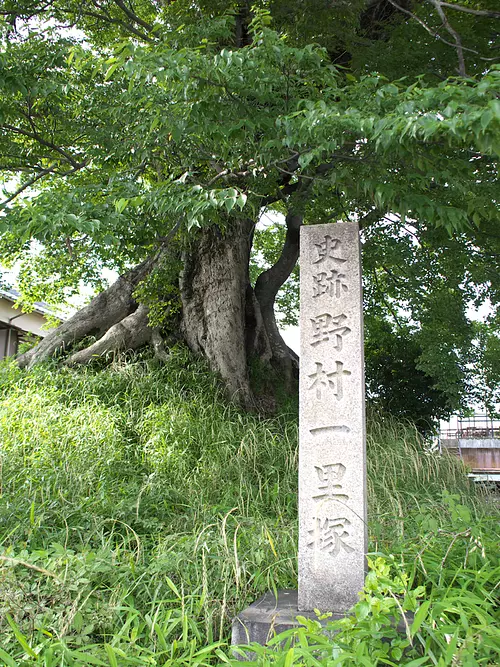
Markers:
(476, 427)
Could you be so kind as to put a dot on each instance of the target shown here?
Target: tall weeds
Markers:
(138, 509)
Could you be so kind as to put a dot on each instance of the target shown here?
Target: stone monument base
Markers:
(268, 617)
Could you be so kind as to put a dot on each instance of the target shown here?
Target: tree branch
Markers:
(468, 10)
(37, 177)
(106, 309)
(433, 32)
(267, 287)
(454, 34)
(128, 334)
(99, 16)
(270, 281)
(372, 216)
(118, 22)
(26, 185)
(382, 294)
(44, 142)
(133, 16)
(283, 191)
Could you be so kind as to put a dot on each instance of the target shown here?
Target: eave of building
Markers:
(31, 322)
(38, 307)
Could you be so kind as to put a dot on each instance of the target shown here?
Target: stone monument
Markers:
(332, 445)
(332, 454)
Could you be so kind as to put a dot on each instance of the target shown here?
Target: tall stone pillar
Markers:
(332, 455)
(332, 448)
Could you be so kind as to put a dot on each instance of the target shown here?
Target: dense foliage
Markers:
(139, 512)
(140, 120)
(394, 383)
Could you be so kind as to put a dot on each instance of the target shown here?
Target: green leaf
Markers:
(223, 657)
(111, 655)
(20, 637)
(110, 71)
(420, 616)
(241, 200)
(32, 513)
(362, 610)
(452, 647)
(305, 159)
(173, 587)
(229, 203)
(121, 204)
(486, 118)
(289, 658)
(10, 662)
(86, 658)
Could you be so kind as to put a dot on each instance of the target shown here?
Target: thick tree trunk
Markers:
(214, 284)
(223, 318)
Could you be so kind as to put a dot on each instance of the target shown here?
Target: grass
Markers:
(139, 512)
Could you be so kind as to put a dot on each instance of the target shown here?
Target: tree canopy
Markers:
(154, 134)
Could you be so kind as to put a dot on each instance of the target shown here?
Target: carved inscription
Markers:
(328, 249)
(331, 283)
(320, 430)
(332, 479)
(329, 477)
(330, 535)
(328, 326)
(323, 380)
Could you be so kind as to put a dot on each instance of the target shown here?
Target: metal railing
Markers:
(476, 427)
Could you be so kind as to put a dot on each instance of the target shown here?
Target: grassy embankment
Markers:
(139, 512)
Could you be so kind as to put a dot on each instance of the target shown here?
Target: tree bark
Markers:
(129, 334)
(213, 286)
(266, 288)
(105, 310)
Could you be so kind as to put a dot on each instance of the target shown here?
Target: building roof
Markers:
(41, 307)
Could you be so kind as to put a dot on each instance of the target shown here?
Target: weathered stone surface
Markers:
(267, 617)
(332, 460)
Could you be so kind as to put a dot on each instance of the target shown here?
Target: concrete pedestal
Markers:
(268, 617)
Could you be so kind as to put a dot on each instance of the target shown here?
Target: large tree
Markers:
(149, 136)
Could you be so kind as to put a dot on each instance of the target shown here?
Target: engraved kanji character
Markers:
(331, 283)
(326, 325)
(322, 379)
(328, 475)
(329, 248)
(330, 535)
